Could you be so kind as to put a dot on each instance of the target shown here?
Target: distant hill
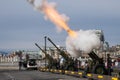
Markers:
(2, 52)
(5, 51)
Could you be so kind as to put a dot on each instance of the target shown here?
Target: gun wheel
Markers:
(100, 69)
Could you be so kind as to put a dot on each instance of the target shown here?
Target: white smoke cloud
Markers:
(85, 42)
(35, 3)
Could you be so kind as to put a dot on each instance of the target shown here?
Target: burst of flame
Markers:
(56, 18)
(72, 33)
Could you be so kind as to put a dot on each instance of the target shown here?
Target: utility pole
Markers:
(45, 49)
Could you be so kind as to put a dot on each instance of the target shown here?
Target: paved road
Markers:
(33, 75)
(10, 71)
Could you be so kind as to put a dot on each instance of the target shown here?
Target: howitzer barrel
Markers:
(53, 43)
(95, 57)
(51, 61)
(50, 58)
(62, 53)
(40, 48)
(68, 64)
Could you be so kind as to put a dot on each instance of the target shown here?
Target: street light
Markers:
(45, 49)
(105, 48)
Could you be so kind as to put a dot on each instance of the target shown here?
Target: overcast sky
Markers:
(21, 26)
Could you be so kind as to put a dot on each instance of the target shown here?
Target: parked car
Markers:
(31, 64)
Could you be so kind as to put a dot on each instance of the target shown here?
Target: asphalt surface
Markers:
(10, 71)
(33, 75)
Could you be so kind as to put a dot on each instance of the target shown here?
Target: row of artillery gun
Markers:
(95, 66)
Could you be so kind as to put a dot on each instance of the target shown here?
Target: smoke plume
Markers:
(84, 42)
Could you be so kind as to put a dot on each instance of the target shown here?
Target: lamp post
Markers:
(106, 48)
(45, 49)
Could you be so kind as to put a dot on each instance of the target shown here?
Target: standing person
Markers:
(76, 65)
(20, 65)
(20, 60)
(109, 64)
(62, 63)
(27, 57)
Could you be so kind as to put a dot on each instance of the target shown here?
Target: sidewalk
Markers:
(9, 66)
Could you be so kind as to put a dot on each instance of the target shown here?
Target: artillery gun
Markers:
(69, 62)
(97, 65)
(52, 63)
